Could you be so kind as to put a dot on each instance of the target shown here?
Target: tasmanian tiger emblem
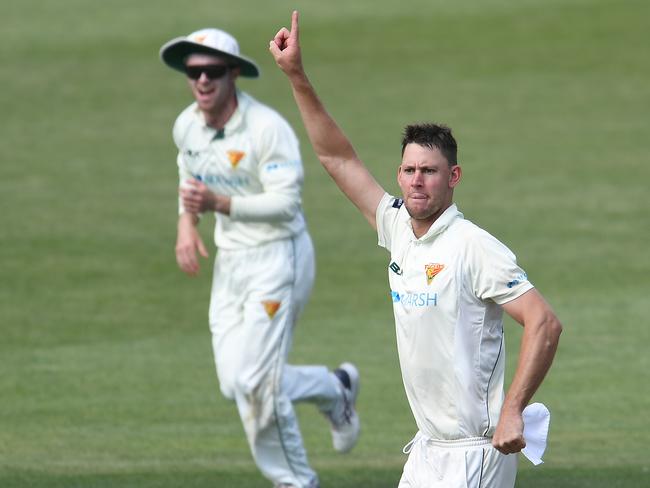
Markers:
(431, 270)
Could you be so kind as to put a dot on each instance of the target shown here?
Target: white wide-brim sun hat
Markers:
(214, 42)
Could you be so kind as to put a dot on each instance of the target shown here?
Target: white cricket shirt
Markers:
(256, 161)
(447, 288)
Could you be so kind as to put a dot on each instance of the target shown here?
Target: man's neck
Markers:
(218, 118)
(421, 226)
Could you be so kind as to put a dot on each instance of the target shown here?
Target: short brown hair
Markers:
(432, 135)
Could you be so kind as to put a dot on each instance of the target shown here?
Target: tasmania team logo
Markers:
(271, 307)
(235, 157)
(432, 270)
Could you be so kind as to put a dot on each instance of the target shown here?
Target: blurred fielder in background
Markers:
(240, 159)
(450, 282)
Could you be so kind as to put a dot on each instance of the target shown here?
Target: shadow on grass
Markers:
(633, 477)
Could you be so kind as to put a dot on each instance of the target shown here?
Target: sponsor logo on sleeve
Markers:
(278, 165)
(394, 267)
(520, 278)
(271, 307)
(431, 270)
(397, 202)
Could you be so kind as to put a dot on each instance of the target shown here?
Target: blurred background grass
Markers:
(106, 376)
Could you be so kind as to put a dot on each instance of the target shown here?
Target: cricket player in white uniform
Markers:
(240, 160)
(449, 283)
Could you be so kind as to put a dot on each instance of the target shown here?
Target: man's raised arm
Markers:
(331, 145)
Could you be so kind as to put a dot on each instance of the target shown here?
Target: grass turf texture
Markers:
(107, 376)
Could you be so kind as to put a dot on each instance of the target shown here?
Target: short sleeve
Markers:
(493, 270)
(386, 216)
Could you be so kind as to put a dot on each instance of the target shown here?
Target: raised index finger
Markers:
(294, 24)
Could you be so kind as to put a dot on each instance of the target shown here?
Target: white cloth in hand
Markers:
(536, 421)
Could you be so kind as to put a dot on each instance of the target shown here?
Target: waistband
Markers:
(447, 444)
(262, 247)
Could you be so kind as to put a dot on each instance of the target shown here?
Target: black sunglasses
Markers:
(212, 71)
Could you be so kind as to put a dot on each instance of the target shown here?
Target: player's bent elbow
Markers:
(285, 213)
(334, 165)
(267, 207)
(557, 327)
(553, 328)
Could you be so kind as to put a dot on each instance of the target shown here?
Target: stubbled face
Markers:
(212, 95)
(427, 183)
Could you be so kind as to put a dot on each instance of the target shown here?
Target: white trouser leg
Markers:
(256, 297)
(312, 384)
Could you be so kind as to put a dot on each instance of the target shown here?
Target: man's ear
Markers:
(455, 175)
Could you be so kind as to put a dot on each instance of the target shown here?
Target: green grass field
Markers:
(106, 375)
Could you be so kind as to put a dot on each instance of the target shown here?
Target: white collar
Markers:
(440, 224)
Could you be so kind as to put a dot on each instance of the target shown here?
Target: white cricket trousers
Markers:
(465, 463)
(257, 295)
